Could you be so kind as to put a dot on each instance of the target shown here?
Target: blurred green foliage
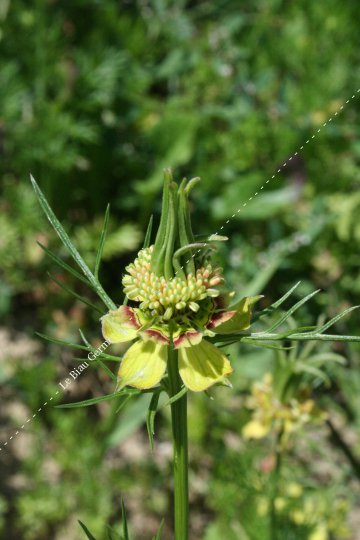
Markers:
(96, 98)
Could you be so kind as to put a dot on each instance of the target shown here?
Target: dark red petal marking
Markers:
(220, 318)
(132, 319)
(156, 335)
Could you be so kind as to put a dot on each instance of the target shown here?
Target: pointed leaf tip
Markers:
(86, 531)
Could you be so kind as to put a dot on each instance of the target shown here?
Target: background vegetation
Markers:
(96, 98)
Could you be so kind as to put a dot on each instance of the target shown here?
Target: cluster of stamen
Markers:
(166, 297)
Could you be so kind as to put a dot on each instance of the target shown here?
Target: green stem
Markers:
(180, 446)
(275, 490)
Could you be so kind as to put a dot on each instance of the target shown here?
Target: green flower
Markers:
(178, 304)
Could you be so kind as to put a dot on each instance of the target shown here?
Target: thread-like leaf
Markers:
(267, 345)
(292, 310)
(86, 531)
(334, 320)
(62, 342)
(104, 366)
(88, 402)
(305, 337)
(175, 397)
(158, 534)
(321, 358)
(286, 295)
(147, 239)
(288, 333)
(312, 370)
(150, 417)
(124, 521)
(64, 265)
(104, 356)
(87, 347)
(60, 231)
(75, 294)
(125, 400)
(275, 305)
(102, 242)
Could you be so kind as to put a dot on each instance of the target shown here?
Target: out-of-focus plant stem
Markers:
(180, 446)
(275, 489)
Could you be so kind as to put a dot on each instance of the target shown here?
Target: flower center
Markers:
(169, 297)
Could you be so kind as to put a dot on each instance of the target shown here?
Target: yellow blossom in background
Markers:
(271, 414)
(262, 506)
(320, 533)
(280, 503)
(298, 517)
(294, 490)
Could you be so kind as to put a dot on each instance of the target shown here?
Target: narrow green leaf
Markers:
(291, 311)
(124, 401)
(174, 398)
(64, 265)
(130, 420)
(305, 337)
(59, 229)
(106, 369)
(335, 320)
(228, 343)
(100, 362)
(102, 242)
(62, 342)
(275, 305)
(158, 534)
(75, 294)
(287, 333)
(150, 417)
(321, 358)
(86, 531)
(147, 239)
(88, 402)
(286, 295)
(124, 521)
(112, 534)
(102, 355)
(267, 345)
(325, 337)
(87, 348)
(305, 368)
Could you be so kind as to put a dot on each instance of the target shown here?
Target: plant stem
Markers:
(274, 491)
(180, 446)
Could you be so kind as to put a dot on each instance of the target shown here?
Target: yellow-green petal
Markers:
(120, 325)
(143, 365)
(202, 365)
